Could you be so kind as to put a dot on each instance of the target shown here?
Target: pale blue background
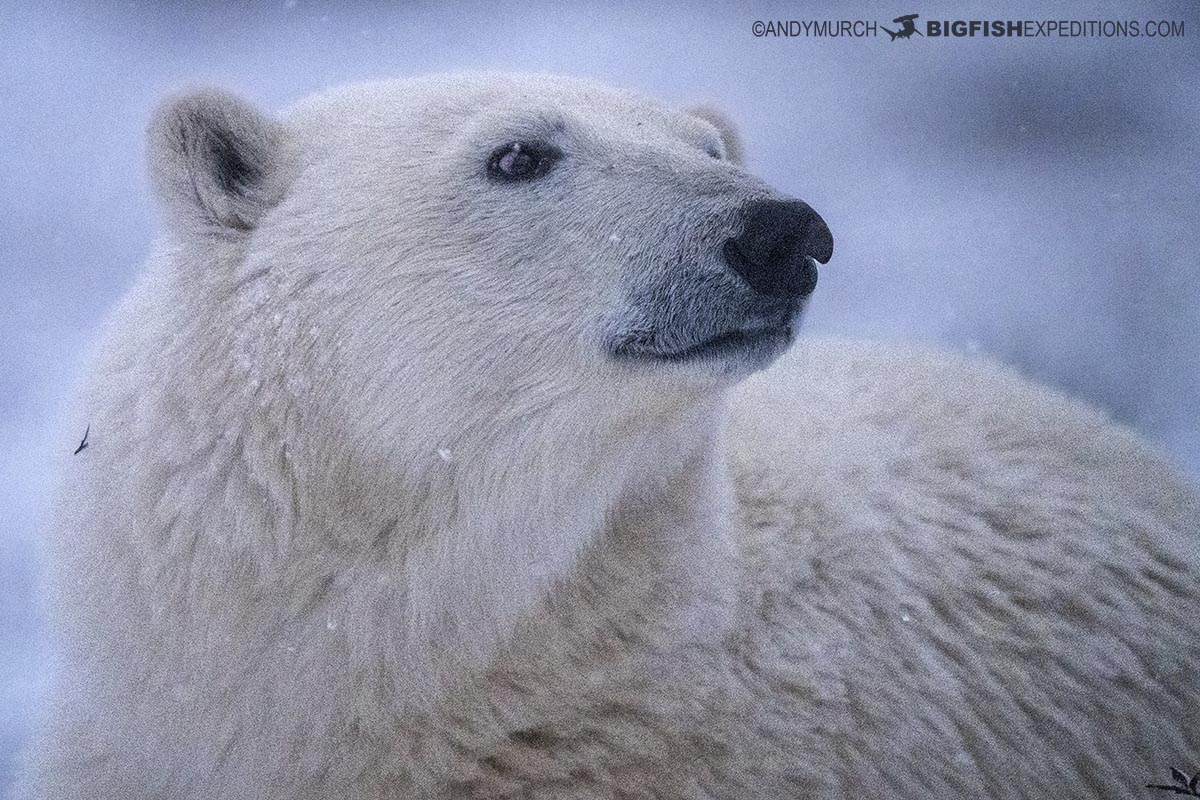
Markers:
(1037, 199)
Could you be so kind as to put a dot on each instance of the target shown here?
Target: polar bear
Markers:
(435, 454)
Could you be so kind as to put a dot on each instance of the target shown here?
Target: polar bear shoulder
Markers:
(944, 559)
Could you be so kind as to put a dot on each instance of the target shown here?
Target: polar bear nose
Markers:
(775, 249)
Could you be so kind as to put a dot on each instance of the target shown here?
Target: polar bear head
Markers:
(517, 232)
(475, 302)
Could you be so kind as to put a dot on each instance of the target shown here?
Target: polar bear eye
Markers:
(522, 161)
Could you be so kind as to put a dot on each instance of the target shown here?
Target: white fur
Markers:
(363, 515)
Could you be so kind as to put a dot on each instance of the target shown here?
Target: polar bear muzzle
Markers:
(742, 315)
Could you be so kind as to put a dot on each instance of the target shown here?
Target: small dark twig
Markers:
(84, 443)
(1184, 785)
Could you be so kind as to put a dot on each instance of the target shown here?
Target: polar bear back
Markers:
(944, 560)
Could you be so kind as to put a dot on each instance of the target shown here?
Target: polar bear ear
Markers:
(215, 162)
(724, 126)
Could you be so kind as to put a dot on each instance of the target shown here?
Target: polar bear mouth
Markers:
(730, 344)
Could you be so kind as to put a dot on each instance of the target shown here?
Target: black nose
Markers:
(773, 250)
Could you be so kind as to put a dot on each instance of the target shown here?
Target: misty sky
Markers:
(1033, 199)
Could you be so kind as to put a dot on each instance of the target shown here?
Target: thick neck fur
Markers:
(460, 552)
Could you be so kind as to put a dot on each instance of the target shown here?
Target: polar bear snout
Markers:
(736, 312)
(775, 250)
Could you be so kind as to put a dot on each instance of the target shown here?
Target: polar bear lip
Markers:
(739, 342)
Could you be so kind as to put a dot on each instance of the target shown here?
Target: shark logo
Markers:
(907, 28)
